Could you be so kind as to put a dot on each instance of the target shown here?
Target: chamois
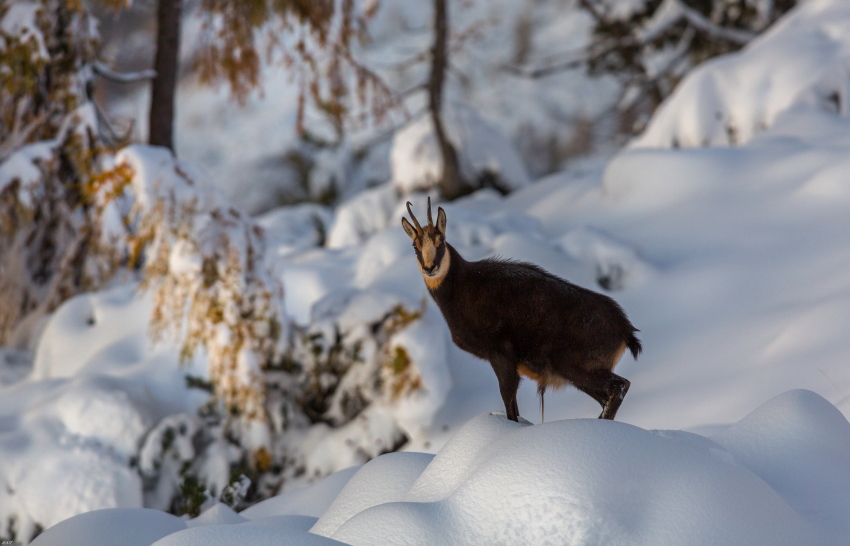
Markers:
(526, 321)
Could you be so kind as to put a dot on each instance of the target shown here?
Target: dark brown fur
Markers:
(525, 320)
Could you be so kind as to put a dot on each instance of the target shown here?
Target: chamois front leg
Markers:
(605, 387)
(617, 387)
(508, 385)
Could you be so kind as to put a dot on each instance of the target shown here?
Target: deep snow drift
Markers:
(779, 476)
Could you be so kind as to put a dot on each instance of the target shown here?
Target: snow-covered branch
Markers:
(122, 77)
(698, 21)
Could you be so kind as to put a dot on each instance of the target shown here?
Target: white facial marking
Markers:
(429, 252)
(437, 276)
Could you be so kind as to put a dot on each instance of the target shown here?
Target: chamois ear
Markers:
(441, 220)
(409, 229)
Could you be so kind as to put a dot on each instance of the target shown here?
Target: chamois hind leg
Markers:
(605, 387)
(508, 386)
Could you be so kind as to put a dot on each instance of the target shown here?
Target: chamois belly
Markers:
(546, 378)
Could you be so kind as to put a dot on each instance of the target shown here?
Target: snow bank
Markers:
(802, 60)
(778, 476)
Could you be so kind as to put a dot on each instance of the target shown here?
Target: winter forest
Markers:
(214, 330)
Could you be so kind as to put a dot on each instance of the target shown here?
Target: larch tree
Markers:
(313, 39)
(452, 184)
(164, 84)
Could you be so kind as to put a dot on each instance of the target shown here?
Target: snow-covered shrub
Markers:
(36, 99)
(487, 158)
(365, 214)
(345, 367)
(204, 261)
(802, 61)
(649, 45)
(51, 246)
(289, 229)
(74, 213)
(188, 465)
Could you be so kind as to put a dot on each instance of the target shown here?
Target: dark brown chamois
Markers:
(526, 321)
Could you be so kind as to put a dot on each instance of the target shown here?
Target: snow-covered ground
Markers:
(732, 261)
(779, 476)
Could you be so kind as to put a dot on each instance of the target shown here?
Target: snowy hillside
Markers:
(732, 261)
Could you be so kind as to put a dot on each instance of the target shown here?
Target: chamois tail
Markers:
(541, 391)
(633, 343)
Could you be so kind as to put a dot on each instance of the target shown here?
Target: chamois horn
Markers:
(430, 222)
(412, 217)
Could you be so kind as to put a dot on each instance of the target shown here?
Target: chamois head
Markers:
(430, 245)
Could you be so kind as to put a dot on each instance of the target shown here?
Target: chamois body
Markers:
(527, 322)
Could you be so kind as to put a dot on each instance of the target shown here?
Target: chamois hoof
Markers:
(520, 419)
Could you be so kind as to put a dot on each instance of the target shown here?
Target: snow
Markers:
(300, 227)
(21, 20)
(245, 146)
(257, 535)
(418, 166)
(309, 502)
(578, 480)
(801, 60)
(731, 260)
(70, 429)
(135, 526)
(381, 480)
(777, 476)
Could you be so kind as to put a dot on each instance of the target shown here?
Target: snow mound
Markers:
(799, 444)
(289, 229)
(384, 479)
(256, 535)
(71, 431)
(482, 151)
(217, 514)
(311, 501)
(134, 526)
(779, 476)
(599, 482)
(361, 216)
(802, 60)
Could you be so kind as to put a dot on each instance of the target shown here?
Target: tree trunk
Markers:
(161, 124)
(451, 185)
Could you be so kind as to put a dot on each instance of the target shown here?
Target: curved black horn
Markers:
(412, 217)
(430, 222)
